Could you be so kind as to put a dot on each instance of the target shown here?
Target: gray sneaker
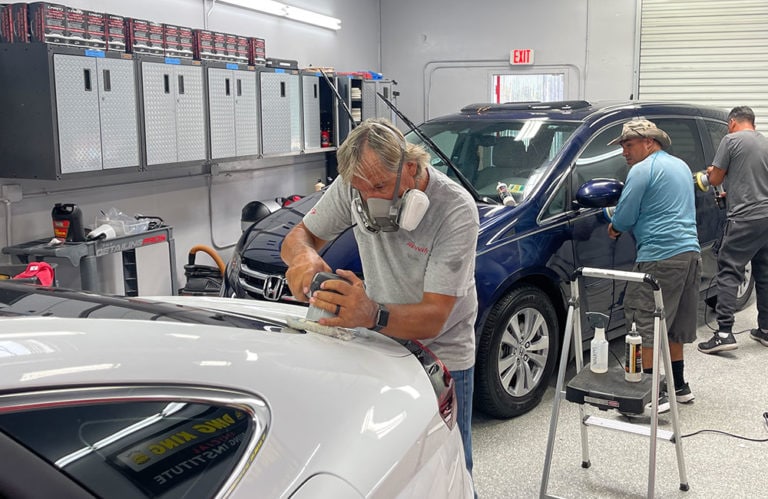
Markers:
(717, 344)
(662, 406)
(684, 394)
(759, 335)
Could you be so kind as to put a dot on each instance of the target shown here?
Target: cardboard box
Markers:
(235, 48)
(47, 22)
(241, 50)
(178, 41)
(257, 53)
(156, 38)
(202, 44)
(115, 32)
(75, 33)
(219, 46)
(6, 24)
(95, 29)
(143, 37)
(20, 22)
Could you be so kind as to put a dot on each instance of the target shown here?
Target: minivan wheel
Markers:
(516, 354)
(743, 294)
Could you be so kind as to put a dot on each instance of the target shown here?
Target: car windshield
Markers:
(516, 153)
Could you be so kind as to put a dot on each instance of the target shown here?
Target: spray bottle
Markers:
(633, 361)
(599, 345)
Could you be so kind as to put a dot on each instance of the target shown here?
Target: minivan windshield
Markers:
(513, 152)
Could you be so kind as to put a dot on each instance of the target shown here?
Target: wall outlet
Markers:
(10, 192)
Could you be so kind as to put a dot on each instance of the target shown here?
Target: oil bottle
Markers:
(633, 358)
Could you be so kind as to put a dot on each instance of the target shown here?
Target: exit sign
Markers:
(521, 56)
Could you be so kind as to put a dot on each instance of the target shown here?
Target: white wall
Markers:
(441, 52)
(454, 42)
(202, 209)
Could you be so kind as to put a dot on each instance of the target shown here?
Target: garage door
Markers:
(706, 52)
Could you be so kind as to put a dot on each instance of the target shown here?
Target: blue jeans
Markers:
(464, 381)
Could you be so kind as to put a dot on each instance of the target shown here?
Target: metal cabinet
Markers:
(79, 106)
(173, 97)
(233, 111)
(280, 111)
(310, 111)
(96, 112)
(373, 106)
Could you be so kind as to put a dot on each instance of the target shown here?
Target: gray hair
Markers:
(742, 113)
(386, 142)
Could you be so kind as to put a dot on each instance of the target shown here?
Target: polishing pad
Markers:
(332, 331)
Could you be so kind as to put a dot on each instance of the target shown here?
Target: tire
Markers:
(743, 294)
(516, 354)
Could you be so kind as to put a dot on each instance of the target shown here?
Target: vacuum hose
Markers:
(211, 252)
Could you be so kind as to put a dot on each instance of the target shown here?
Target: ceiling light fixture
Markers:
(283, 10)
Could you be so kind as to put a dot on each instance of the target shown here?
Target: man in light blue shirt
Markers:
(658, 205)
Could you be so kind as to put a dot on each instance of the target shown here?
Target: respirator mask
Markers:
(389, 215)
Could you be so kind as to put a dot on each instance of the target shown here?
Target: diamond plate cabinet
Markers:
(310, 111)
(373, 106)
(233, 110)
(173, 105)
(66, 111)
(280, 101)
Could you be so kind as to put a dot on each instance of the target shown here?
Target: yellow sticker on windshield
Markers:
(516, 188)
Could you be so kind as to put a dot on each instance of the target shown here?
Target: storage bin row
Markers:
(43, 22)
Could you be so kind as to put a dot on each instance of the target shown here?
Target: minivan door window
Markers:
(591, 245)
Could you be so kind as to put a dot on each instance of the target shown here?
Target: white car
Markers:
(131, 397)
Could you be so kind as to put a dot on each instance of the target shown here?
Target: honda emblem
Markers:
(273, 287)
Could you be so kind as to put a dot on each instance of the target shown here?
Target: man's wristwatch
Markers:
(382, 318)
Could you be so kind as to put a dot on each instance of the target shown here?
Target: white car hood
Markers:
(331, 401)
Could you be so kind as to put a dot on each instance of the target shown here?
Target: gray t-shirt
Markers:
(437, 257)
(744, 155)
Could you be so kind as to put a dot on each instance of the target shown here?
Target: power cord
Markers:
(740, 437)
(721, 432)
(727, 434)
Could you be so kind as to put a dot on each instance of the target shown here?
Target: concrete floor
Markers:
(731, 396)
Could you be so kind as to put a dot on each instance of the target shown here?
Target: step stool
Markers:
(610, 390)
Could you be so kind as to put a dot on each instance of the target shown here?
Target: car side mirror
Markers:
(599, 193)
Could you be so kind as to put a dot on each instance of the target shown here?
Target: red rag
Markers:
(41, 270)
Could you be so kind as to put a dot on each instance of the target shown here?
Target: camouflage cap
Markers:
(643, 129)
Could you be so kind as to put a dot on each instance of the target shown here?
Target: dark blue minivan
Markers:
(555, 159)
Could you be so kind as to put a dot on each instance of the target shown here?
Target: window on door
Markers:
(529, 87)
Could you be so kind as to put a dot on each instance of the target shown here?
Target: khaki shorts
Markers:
(678, 278)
